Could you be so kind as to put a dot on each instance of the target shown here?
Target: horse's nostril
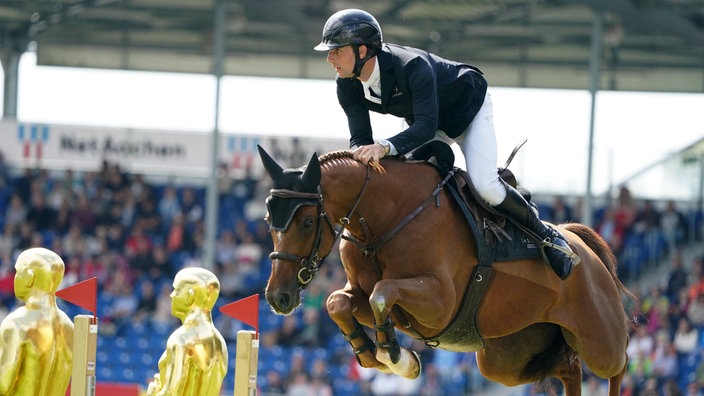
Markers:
(284, 300)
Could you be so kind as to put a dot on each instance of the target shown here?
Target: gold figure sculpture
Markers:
(195, 360)
(36, 340)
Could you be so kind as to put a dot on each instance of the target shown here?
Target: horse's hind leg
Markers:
(531, 355)
(616, 380)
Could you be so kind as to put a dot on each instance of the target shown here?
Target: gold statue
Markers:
(195, 360)
(36, 340)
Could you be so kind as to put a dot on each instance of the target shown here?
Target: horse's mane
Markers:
(347, 155)
(333, 155)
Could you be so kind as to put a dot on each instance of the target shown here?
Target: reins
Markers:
(370, 249)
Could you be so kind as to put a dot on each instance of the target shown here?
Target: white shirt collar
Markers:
(374, 82)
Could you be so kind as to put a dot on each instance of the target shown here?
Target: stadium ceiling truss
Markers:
(643, 45)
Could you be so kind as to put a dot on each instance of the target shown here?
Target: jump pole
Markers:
(85, 337)
(247, 354)
(246, 362)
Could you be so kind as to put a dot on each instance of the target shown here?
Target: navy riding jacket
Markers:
(429, 92)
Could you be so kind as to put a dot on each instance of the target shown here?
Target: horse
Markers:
(409, 257)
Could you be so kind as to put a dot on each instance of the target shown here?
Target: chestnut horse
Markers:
(409, 256)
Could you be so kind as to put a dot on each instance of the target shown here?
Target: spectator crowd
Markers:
(134, 234)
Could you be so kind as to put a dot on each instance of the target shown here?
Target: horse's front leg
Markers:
(347, 308)
(414, 296)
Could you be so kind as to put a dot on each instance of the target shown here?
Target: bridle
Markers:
(310, 265)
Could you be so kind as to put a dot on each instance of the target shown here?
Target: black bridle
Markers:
(310, 265)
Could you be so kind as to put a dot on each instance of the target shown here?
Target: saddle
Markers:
(492, 231)
(496, 240)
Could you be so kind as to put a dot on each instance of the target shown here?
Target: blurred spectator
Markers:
(273, 384)
(610, 229)
(300, 385)
(147, 300)
(192, 209)
(676, 276)
(686, 338)
(58, 196)
(40, 216)
(138, 248)
(624, 211)
(288, 334)
(245, 186)
(147, 214)
(674, 226)
(162, 314)
(665, 365)
(23, 183)
(224, 179)
(693, 389)
(560, 212)
(320, 378)
(84, 215)
(16, 211)
(640, 344)
(168, 206)
(124, 303)
(248, 252)
(311, 334)
(225, 248)
(655, 306)
(4, 171)
(695, 311)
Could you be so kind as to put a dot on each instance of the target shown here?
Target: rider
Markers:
(438, 98)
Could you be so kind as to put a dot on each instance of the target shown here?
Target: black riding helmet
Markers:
(352, 27)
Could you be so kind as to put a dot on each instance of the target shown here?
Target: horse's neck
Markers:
(382, 198)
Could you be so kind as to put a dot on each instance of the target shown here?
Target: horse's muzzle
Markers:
(282, 302)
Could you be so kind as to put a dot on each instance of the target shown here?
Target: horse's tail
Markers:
(597, 244)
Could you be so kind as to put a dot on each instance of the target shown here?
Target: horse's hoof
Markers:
(419, 365)
(408, 366)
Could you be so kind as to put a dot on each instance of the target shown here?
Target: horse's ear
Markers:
(274, 169)
(311, 176)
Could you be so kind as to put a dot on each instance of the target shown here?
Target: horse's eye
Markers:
(308, 223)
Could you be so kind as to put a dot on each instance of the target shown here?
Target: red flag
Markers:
(84, 294)
(245, 310)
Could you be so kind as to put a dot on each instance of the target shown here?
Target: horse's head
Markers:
(294, 214)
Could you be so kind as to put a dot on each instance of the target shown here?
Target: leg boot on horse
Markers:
(555, 249)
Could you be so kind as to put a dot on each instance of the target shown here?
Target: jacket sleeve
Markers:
(422, 85)
(358, 119)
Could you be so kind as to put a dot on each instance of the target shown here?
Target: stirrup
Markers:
(547, 242)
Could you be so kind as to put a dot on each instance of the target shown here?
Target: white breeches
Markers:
(480, 151)
(479, 154)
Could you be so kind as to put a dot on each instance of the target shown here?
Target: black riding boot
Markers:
(555, 249)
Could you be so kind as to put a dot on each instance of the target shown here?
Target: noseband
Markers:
(309, 266)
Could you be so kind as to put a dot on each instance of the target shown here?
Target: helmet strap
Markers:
(359, 62)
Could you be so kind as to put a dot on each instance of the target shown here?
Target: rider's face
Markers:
(342, 60)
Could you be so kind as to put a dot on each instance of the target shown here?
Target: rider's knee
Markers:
(490, 189)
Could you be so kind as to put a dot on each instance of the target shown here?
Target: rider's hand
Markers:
(370, 153)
